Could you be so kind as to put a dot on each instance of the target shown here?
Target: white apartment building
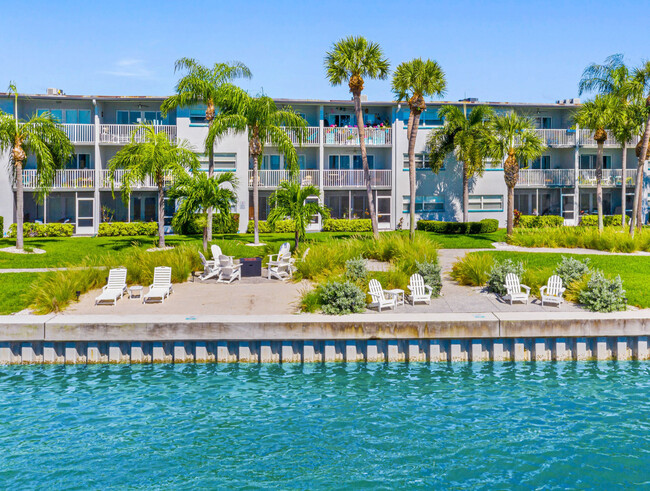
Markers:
(562, 182)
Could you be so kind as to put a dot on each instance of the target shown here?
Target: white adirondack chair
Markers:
(552, 292)
(514, 291)
(216, 252)
(115, 287)
(228, 270)
(161, 287)
(210, 268)
(419, 291)
(380, 298)
(281, 265)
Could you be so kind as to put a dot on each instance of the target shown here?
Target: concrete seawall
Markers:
(316, 338)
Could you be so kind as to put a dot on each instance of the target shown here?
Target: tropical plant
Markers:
(200, 192)
(152, 155)
(412, 82)
(571, 269)
(41, 136)
(497, 279)
(597, 115)
(512, 138)
(198, 85)
(342, 297)
(603, 294)
(351, 60)
(264, 123)
(291, 200)
(463, 136)
(356, 269)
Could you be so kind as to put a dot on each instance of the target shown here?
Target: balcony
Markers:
(105, 181)
(120, 134)
(63, 179)
(350, 136)
(310, 138)
(271, 179)
(354, 178)
(558, 138)
(586, 139)
(611, 177)
(539, 178)
(80, 133)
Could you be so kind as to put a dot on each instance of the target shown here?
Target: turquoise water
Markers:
(481, 425)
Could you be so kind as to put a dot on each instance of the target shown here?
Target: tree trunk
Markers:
(599, 185)
(414, 122)
(296, 237)
(639, 206)
(465, 194)
(161, 212)
(210, 174)
(511, 210)
(19, 205)
(364, 159)
(205, 237)
(638, 185)
(256, 231)
(623, 184)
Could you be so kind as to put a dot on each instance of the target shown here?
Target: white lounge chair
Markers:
(281, 265)
(380, 297)
(228, 270)
(552, 292)
(115, 287)
(161, 287)
(514, 291)
(216, 252)
(419, 291)
(210, 268)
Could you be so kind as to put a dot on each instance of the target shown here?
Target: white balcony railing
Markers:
(586, 138)
(63, 179)
(611, 177)
(546, 177)
(149, 182)
(310, 137)
(354, 178)
(121, 133)
(80, 133)
(558, 138)
(350, 136)
(273, 178)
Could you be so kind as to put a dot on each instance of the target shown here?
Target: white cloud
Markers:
(129, 67)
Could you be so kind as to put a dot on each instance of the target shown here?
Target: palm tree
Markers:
(263, 122)
(41, 136)
(512, 139)
(290, 200)
(463, 135)
(200, 85)
(597, 115)
(156, 157)
(352, 59)
(412, 82)
(201, 192)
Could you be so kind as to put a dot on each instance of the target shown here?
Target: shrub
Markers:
(608, 220)
(570, 269)
(611, 239)
(534, 221)
(220, 224)
(430, 272)
(485, 226)
(473, 269)
(281, 226)
(340, 298)
(602, 294)
(344, 225)
(2, 226)
(43, 230)
(500, 269)
(127, 229)
(355, 269)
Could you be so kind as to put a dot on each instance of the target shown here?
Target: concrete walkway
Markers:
(502, 246)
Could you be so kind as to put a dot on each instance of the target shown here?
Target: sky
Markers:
(516, 51)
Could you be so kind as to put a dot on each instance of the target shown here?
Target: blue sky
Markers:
(520, 51)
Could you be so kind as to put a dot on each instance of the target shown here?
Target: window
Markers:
(423, 204)
(421, 161)
(277, 162)
(80, 161)
(543, 123)
(589, 161)
(343, 162)
(222, 162)
(485, 202)
(137, 117)
(430, 118)
(544, 162)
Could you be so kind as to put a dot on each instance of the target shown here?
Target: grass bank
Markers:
(15, 288)
(613, 239)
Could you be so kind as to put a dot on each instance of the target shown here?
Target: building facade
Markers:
(562, 182)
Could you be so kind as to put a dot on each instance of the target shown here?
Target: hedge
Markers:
(345, 225)
(225, 225)
(127, 229)
(281, 226)
(2, 226)
(43, 230)
(485, 226)
(608, 220)
(543, 221)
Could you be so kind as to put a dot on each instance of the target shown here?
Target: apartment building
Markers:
(562, 182)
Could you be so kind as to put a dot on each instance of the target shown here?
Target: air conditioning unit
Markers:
(53, 91)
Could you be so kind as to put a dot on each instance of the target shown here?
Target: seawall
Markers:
(517, 336)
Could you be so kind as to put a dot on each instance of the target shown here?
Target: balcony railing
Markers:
(80, 133)
(63, 179)
(149, 182)
(611, 177)
(546, 178)
(558, 138)
(586, 138)
(350, 136)
(273, 178)
(354, 178)
(310, 137)
(121, 133)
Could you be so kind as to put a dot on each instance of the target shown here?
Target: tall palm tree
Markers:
(200, 192)
(290, 200)
(156, 157)
(200, 84)
(412, 82)
(463, 136)
(512, 140)
(41, 136)
(597, 115)
(264, 123)
(351, 60)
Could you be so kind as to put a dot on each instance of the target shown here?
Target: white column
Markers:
(321, 153)
(98, 172)
(576, 186)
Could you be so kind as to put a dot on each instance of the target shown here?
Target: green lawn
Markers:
(13, 287)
